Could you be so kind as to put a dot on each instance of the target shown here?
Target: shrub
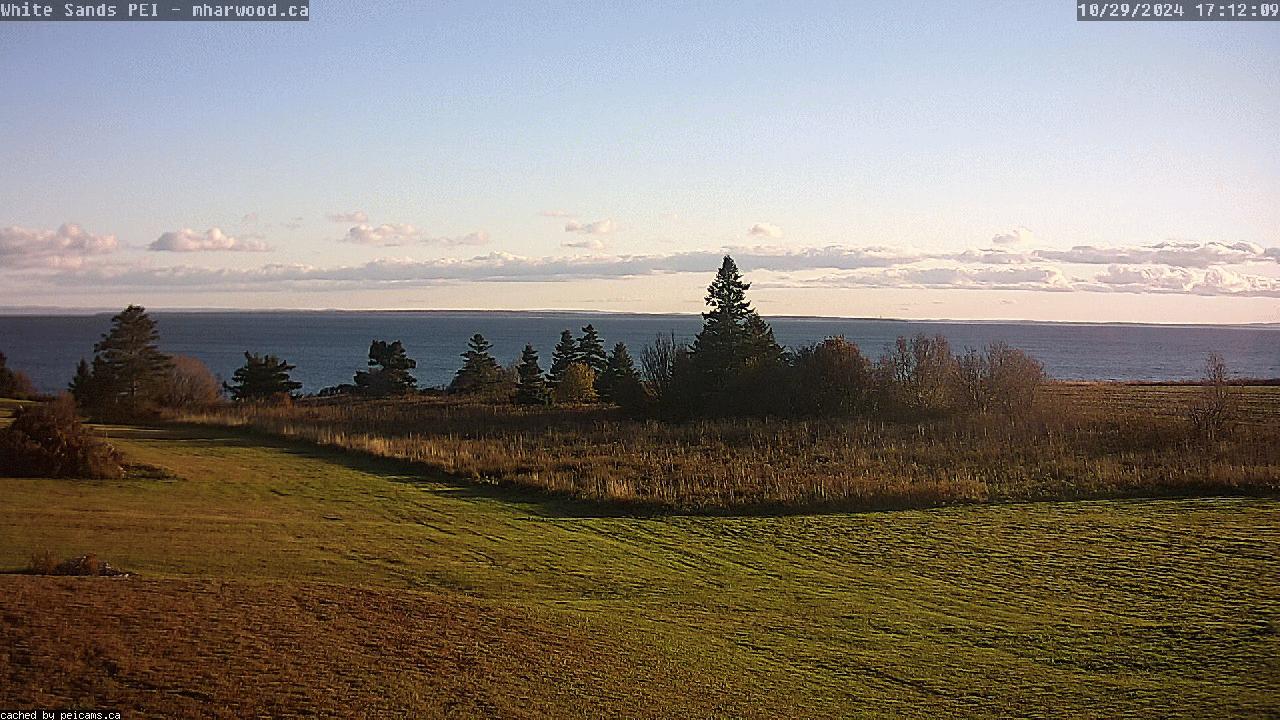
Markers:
(82, 566)
(1000, 378)
(14, 384)
(831, 378)
(577, 385)
(48, 440)
(1212, 413)
(189, 384)
(914, 377)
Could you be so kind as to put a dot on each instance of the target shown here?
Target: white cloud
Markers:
(67, 246)
(591, 243)
(355, 216)
(599, 227)
(249, 218)
(401, 234)
(479, 237)
(387, 234)
(211, 240)
(1017, 236)
(768, 230)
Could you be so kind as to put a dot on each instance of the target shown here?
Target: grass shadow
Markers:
(532, 500)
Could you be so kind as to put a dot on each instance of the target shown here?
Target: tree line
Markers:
(733, 367)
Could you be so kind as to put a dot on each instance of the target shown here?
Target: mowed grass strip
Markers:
(1082, 609)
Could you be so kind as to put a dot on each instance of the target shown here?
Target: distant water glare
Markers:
(329, 347)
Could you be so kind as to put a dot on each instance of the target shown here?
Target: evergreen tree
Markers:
(532, 387)
(564, 355)
(86, 386)
(128, 365)
(260, 378)
(389, 370)
(735, 363)
(591, 350)
(620, 381)
(480, 371)
(733, 337)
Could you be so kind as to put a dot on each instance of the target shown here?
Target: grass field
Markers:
(278, 578)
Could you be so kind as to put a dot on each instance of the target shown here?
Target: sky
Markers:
(993, 160)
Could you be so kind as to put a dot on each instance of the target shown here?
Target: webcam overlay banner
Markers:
(295, 10)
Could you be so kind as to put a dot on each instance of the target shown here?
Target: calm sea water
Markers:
(328, 347)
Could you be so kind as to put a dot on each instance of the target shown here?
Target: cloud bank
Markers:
(831, 267)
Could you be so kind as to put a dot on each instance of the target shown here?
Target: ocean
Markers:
(328, 347)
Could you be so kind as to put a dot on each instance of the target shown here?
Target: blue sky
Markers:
(524, 154)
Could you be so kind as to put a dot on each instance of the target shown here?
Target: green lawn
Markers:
(1083, 609)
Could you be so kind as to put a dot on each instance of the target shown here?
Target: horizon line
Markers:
(53, 310)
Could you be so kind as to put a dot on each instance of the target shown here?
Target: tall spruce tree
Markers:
(531, 389)
(734, 359)
(733, 335)
(388, 372)
(620, 381)
(591, 350)
(128, 365)
(262, 377)
(564, 355)
(480, 371)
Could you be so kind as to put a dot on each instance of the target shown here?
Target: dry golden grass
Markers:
(211, 648)
(1083, 441)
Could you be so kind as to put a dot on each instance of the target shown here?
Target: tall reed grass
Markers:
(1082, 441)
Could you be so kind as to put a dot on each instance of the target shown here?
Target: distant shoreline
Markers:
(42, 311)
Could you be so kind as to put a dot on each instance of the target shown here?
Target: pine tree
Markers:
(591, 350)
(564, 355)
(620, 381)
(260, 378)
(480, 371)
(389, 370)
(532, 387)
(128, 365)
